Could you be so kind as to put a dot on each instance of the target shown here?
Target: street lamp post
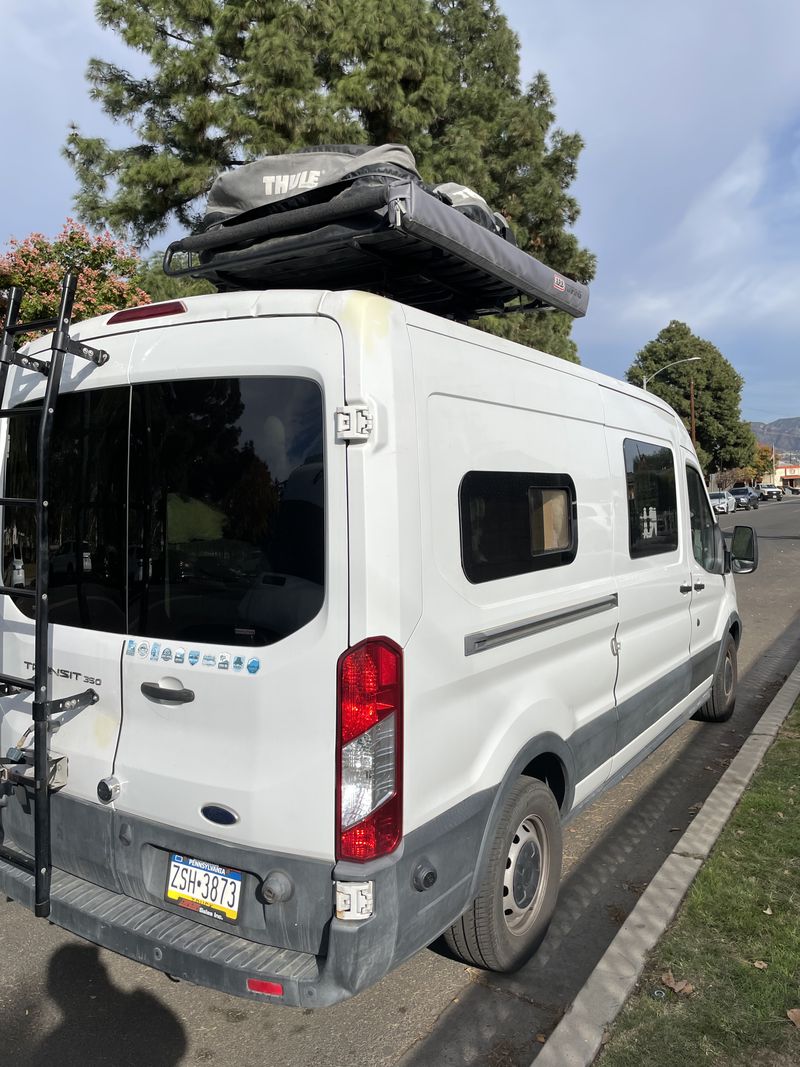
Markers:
(649, 377)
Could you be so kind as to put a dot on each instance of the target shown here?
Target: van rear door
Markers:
(237, 583)
(88, 475)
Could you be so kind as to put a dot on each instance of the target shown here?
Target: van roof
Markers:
(280, 302)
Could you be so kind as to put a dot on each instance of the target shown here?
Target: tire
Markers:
(508, 920)
(719, 707)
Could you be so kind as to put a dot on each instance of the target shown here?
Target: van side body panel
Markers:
(484, 411)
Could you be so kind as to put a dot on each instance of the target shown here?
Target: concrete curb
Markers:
(576, 1040)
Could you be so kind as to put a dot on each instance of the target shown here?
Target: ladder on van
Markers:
(16, 771)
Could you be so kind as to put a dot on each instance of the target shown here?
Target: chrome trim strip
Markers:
(483, 640)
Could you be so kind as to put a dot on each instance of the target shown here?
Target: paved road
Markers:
(59, 997)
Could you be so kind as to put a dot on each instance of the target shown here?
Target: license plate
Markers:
(205, 888)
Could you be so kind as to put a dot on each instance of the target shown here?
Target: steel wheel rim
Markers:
(727, 676)
(524, 878)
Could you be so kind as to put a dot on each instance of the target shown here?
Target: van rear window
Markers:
(514, 522)
(652, 500)
(190, 510)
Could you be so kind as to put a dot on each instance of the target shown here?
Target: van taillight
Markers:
(369, 804)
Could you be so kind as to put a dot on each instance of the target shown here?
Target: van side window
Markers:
(512, 523)
(652, 500)
(704, 543)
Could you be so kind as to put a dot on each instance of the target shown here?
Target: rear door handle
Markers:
(686, 588)
(698, 586)
(154, 691)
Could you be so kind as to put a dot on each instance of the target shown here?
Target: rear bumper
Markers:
(354, 954)
(149, 935)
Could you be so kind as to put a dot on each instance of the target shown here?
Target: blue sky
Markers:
(689, 184)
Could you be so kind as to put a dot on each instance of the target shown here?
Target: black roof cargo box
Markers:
(385, 234)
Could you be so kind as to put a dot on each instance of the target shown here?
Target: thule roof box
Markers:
(395, 239)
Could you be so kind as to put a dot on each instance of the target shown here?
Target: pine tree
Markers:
(724, 440)
(232, 80)
(160, 286)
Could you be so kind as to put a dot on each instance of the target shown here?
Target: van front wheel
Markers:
(723, 690)
(509, 918)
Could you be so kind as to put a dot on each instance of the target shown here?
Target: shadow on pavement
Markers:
(502, 1020)
(100, 1024)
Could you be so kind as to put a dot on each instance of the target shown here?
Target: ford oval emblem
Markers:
(218, 814)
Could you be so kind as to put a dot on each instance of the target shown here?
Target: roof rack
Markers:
(394, 239)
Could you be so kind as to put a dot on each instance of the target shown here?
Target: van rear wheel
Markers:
(508, 920)
(719, 707)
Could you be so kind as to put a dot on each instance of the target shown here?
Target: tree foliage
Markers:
(734, 476)
(764, 463)
(160, 286)
(724, 440)
(106, 269)
(231, 80)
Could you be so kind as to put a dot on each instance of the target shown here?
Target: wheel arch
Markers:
(546, 757)
(734, 628)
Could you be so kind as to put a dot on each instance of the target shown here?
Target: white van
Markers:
(413, 596)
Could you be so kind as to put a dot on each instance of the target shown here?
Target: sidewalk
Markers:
(578, 1037)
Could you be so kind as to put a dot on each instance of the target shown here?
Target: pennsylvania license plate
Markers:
(203, 887)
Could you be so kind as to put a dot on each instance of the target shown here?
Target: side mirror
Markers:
(744, 550)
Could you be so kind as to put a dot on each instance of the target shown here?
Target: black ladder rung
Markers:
(33, 325)
(18, 683)
(33, 409)
(16, 502)
(19, 859)
(17, 590)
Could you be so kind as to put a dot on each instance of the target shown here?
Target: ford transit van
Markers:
(406, 597)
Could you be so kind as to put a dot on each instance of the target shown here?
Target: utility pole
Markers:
(691, 411)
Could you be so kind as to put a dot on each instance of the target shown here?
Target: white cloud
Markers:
(688, 182)
(725, 219)
(724, 261)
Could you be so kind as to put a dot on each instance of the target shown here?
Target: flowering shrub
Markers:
(105, 267)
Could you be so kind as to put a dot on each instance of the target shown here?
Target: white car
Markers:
(723, 503)
(17, 575)
(63, 559)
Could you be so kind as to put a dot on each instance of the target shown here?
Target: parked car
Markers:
(15, 576)
(768, 491)
(723, 502)
(746, 497)
(63, 559)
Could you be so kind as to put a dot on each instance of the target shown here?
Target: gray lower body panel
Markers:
(352, 954)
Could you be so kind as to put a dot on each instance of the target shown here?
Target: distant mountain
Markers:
(784, 434)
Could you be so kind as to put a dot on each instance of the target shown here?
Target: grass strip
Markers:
(742, 912)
